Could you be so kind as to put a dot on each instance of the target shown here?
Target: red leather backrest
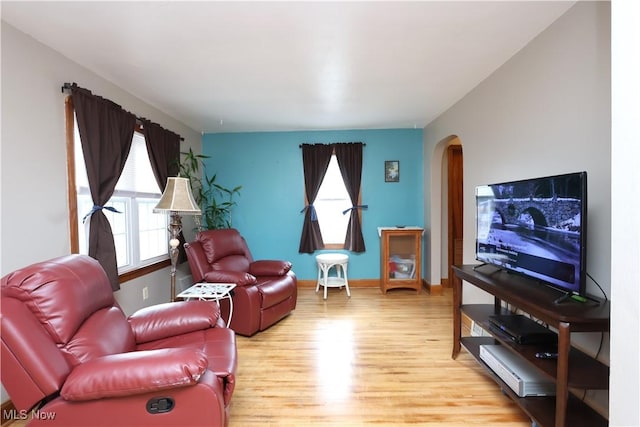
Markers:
(225, 249)
(198, 263)
(61, 293)
(32, 365)
(105, 332)
(56, 314)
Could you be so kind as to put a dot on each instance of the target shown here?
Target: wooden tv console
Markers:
(572, 368)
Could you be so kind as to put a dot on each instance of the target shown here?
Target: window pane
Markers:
(333, 224)
(140, 236)
(80, 169)
(84, 207)
(332, 200)
(118, 220)
(137, 175)
(152, 230)
(120, 242)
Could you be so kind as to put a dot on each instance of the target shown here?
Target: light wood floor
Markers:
(372, 359)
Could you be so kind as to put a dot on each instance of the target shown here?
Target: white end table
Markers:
(211, 292)
(327, 261)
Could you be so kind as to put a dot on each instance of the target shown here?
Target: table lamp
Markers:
(177, 200)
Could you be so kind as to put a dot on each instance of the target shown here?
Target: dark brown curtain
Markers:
(349, 157)
(163, 147)
(315, 160)
(106, 133)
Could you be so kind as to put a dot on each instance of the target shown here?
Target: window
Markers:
(331, 201)
(324, 166)
(140, 236)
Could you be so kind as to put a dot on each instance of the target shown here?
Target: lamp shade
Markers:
(177, 197)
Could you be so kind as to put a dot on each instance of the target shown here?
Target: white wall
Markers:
(33, 178)
(546, 111)
(625, 217)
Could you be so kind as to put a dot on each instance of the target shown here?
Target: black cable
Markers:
(584, 393)
(600, 346)
(598, 285)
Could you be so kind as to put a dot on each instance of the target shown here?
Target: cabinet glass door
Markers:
(402, 257)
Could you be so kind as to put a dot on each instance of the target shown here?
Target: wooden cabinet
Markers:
(400, 258)
(573, 371)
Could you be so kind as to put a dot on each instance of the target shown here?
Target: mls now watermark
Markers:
(14, 414)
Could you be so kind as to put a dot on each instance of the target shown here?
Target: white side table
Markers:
(325, 263)
(211, 292)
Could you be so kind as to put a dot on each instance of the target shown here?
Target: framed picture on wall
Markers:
(391, 171)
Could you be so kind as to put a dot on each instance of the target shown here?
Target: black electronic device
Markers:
(522, 330)
(536, 227)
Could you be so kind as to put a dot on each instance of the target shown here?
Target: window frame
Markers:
(337, 245)
(74, 238)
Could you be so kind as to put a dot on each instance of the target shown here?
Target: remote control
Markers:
(546, 355)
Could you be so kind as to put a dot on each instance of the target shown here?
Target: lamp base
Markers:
(175, 227)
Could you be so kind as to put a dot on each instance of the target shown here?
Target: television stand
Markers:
(572, 370)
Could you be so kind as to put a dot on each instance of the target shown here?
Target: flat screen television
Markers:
(536, 227)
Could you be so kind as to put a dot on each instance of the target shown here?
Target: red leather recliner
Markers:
(69, 352)
(266, 291)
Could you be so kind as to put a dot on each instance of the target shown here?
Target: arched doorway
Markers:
(438, 262)
(454, 192)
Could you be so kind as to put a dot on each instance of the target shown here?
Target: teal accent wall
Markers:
(268, 166)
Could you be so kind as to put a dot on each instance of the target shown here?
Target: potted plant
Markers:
(215, 200)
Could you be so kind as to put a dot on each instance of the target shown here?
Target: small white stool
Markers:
(325, 263)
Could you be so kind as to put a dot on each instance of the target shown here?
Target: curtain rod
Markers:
(67, 86)
(363, 144)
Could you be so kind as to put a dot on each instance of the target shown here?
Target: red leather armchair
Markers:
(69, 351)
(266, 290)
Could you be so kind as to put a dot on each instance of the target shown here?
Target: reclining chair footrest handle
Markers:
(160, 405)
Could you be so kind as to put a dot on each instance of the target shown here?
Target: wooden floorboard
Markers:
(371, 359)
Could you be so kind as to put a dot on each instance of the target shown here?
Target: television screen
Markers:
(536, 227)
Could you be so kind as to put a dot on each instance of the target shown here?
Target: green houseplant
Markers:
(215, 200)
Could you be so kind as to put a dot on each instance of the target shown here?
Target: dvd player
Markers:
(522, 377)
(522, 330)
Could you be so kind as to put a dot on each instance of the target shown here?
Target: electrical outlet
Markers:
(145, 292)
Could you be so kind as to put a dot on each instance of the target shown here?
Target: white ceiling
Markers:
(263, 66)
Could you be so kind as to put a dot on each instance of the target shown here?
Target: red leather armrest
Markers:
(240, 278)
(136, 372)
(173, 318)
(269, 268)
